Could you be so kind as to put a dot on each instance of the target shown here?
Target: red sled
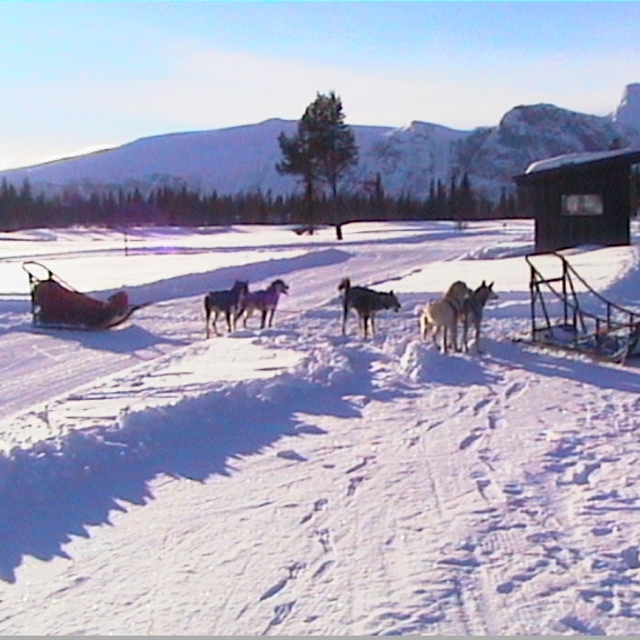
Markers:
(57, 305)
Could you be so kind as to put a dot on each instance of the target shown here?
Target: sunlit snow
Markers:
(294, 481)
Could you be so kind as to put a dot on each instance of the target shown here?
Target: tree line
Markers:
(320, 154)
(20, 208)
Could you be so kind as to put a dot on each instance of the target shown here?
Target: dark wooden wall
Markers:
(557, 231)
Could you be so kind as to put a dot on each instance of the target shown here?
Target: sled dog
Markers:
(472, 312)
(227, 302)
(367, 303)
(264, 301)
(442, 315)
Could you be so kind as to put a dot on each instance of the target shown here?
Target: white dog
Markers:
(442, 315)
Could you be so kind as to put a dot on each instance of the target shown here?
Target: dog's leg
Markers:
(465, 332)
(214, 322)
(263, 319)
(424, 327)
(454, 334)
(345, 313)
(236, 316)
(477, 323)
(474, 326)
(362, 324)
(428, 329)
(435, 334)
(207, 316)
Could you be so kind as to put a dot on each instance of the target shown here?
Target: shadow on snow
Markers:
(59, 487)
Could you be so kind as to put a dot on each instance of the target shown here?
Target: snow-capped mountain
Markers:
(408, 159)
(628, 111)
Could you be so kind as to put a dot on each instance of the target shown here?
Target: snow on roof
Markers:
(574, 158)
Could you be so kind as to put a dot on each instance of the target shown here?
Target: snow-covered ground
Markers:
(292, 481)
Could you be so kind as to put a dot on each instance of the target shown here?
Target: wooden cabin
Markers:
(582, 198)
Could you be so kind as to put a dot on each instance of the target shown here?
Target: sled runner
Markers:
(567, 313)
(57, 305)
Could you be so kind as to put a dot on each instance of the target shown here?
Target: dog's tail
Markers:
(207, 314)
(345, 287)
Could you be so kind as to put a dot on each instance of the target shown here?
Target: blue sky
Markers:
(76, 75)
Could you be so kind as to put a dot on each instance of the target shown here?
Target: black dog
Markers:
(366, 302)
(228, 302)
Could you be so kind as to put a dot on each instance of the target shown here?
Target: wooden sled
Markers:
(57, 305)
(566, 313)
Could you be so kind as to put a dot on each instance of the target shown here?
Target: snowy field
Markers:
(292, 481)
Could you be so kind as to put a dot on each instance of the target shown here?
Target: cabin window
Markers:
(582, 204)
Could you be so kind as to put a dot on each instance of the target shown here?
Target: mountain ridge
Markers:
(409, 159)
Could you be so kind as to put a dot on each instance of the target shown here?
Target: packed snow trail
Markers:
(420, 514)
(296, 482)
(39, 365)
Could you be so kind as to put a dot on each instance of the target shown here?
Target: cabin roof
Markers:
(577, 162)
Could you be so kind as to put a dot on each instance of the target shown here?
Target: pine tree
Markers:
(334, 142)
(322, 150)
(298, 160)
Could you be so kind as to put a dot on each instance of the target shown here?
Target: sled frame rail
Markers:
(32, 269)
(606, 330)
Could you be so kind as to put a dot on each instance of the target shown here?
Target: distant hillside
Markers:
(408, 159)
